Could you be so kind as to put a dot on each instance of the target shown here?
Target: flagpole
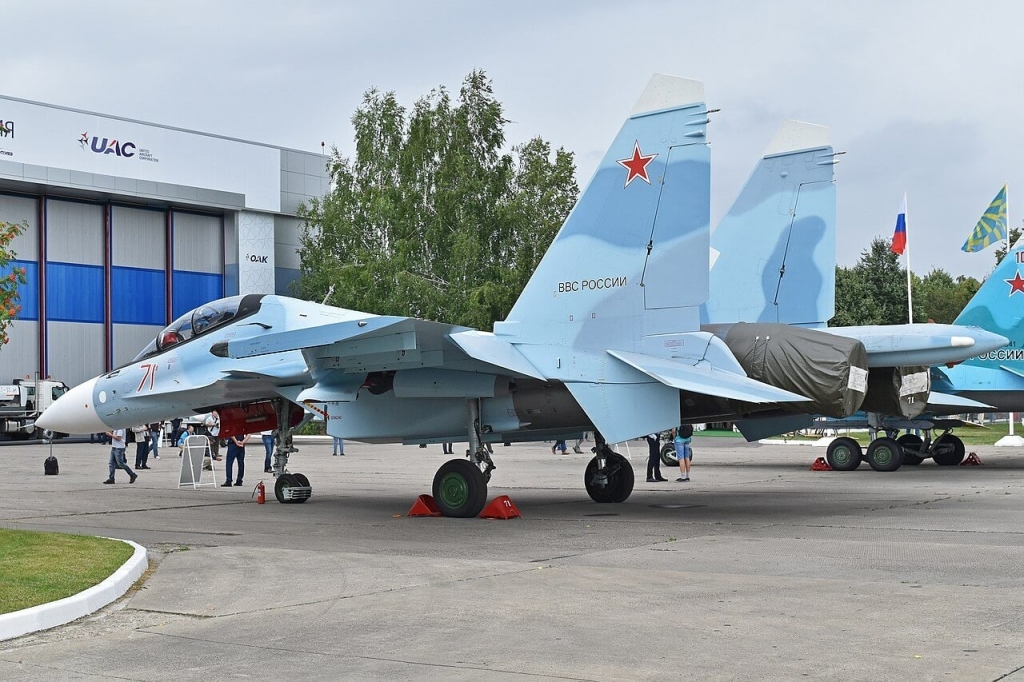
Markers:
(1006, 194)
(910, 300)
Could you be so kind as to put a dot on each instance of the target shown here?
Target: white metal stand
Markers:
(192, 457)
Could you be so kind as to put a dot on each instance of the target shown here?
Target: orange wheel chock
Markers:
(820, 465)
(424, 506)
(501, 507)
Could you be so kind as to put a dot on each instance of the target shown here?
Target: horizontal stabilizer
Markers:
(707, 380)
(948, 400)
(494, 351)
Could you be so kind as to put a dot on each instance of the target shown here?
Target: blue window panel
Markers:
(231, 279)
(284, 278)
(28, 293)
(193, 289)
(137, 296)
(74, 293)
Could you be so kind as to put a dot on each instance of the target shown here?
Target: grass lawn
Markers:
(40, 567)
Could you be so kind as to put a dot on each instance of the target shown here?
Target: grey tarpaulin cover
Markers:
(898, 391)
(830, 370)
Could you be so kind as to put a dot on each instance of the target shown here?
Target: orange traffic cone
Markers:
(972, 460)
(501, 507)
(424, 506)
(820, 465)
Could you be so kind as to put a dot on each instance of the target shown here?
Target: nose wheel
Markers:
(292, 488)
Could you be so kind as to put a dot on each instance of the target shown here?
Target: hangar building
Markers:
(132, 224)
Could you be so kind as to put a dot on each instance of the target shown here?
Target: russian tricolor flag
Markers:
(899, 235)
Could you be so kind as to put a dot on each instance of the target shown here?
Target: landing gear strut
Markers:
(609, 476)
(460, 485)
(288, 487)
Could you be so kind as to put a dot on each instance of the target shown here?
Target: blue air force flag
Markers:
(992, 226)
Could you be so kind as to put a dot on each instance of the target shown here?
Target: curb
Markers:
(71, 608)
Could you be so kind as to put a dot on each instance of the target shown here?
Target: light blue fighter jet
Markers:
(605, 337)
(989, 381)
(773, 260)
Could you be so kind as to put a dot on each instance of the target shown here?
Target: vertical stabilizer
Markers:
(631, 258)
(999, 307)
(773, 254)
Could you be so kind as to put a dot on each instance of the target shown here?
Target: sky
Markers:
(924, 97)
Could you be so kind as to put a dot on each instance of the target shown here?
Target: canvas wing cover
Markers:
(830, 370)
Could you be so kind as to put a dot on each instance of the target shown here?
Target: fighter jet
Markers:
(773, 261)
(605, 337)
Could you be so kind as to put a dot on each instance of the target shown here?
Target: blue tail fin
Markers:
(632, 257)
(773, 254)
(999, 307)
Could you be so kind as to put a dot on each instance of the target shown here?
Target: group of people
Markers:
(681, 438)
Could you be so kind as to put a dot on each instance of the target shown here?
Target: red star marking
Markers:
(636, 165)
(1016, 284)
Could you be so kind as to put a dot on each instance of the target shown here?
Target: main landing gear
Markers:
(288, 487)
(609, 475)
(460, 485)
(887, 453)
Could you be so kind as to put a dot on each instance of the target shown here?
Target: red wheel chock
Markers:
(501, 507)
(424, 506)
(820, 465)
(972, 460)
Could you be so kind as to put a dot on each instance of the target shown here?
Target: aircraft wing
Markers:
(906, 345)
(948, 400)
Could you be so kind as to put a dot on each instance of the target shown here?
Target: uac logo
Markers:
(7, 129)
(125, 149)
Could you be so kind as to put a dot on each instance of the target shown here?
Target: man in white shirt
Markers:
(117, 445)
(212, 424)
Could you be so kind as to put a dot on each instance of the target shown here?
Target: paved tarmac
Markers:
(759, 568)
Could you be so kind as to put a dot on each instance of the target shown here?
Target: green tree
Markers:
(431, 218)
(874, 291)
(1001, 249)
(10, 278)
(940, 298)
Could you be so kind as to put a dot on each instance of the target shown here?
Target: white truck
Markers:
(23, 401)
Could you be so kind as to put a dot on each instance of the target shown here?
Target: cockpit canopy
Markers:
(203, 319)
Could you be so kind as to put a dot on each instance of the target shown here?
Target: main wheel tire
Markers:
(912, 447)
(284, 482)
(885, 454)
(843, 454)
(460, 489)
(948, 450)
(668, 455)
(300, 479)
(617, 484)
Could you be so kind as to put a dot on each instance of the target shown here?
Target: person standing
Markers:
(681, 438)
(559, 445)
(117, 445)
(175, 430)
(447, 448)
(141, 434)
(236, 453)
(212, 424)
(653, 459)
(339, 447)
(155, 431)
(268, 444)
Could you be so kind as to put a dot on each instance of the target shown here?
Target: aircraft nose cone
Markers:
(73, 412)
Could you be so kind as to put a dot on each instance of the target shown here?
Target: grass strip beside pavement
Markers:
(36, 568)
